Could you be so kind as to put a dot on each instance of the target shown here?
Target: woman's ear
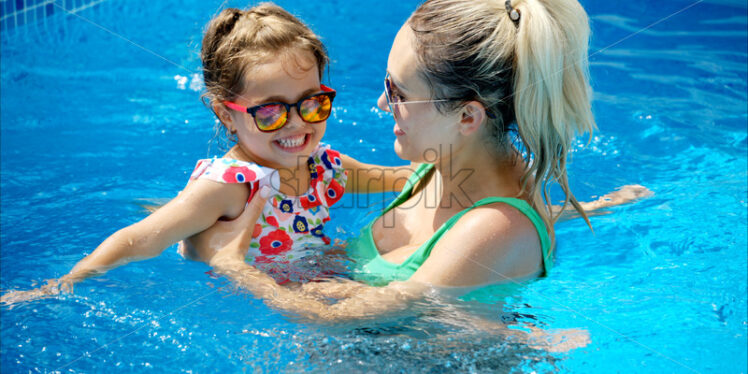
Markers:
(224, 116)
(473, 116)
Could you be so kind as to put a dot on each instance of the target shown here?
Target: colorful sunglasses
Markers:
(271, 117)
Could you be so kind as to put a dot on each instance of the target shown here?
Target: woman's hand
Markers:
(333, 288)
(230, 240)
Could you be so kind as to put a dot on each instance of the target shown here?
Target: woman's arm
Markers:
(361, 302)
(364, 302)
(369, 178)
(193, 210)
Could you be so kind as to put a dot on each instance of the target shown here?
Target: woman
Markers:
(461, 76)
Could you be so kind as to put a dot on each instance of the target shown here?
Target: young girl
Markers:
(262, 69)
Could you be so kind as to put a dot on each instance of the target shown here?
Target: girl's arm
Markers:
(369, 178)
(196, 208)
(193, 210)
(623, 195)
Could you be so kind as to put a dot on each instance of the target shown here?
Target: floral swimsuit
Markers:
(290, 228)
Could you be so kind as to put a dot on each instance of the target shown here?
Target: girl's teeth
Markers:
(291, 142)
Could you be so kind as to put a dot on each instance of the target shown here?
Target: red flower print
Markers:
(257, 231)
(320, 175)
(199, 169)
(333, 192)
(275, 243)
(334, 156)
(254, 187)
(239, 174)
(272, 221)
(326, 240)
(331, 158)
(310, 200)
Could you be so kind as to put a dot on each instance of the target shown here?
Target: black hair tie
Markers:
(513, 13)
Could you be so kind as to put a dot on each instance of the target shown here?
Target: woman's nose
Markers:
(382, 102)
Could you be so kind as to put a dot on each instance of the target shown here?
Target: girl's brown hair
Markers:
(237, 40)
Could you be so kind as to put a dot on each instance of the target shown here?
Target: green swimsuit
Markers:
(372, 269)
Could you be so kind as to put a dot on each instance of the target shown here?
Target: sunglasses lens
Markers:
(387, 90)
(316, 108)
(388, 95)
(271, 117)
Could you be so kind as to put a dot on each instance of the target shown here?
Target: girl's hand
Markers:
(230, 239)
(53, 288)
(623, 195)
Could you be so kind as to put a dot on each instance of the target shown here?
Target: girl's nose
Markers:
(294, 119)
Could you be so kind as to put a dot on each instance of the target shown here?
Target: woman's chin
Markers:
(403, 152)
(399, 149)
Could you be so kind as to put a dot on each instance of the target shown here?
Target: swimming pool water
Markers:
(92, 125)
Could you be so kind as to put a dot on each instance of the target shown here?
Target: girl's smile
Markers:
(285, 80)
(293, 143)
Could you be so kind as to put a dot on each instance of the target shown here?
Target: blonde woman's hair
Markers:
(532, 71)
(237, 40)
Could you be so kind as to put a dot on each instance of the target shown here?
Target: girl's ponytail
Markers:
(220, 26)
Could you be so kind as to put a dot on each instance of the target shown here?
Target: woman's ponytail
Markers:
(551, 91)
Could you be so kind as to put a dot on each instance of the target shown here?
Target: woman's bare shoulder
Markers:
(489, 244)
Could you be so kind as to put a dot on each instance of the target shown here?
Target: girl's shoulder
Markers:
(229, 170)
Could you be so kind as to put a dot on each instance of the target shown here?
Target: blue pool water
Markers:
(93, 125)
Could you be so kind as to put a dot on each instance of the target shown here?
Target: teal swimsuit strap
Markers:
(425, 250)
(409, 184)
